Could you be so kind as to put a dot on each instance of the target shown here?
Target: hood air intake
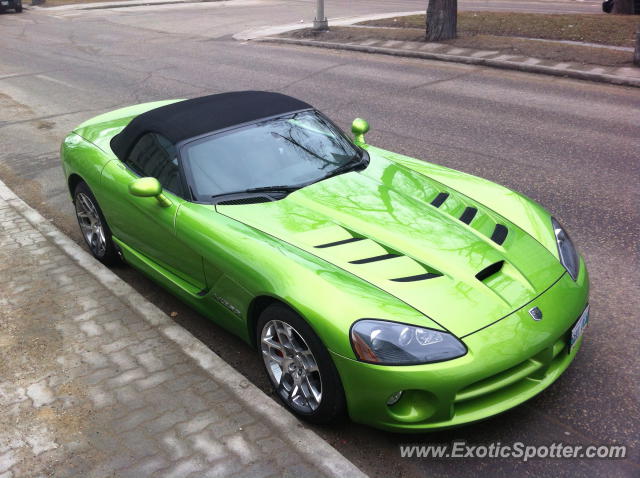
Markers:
(489, 271)
(439, 199)
(339, 243)
(468, 215)
(499, 234)
(428, 275)
(383, 257)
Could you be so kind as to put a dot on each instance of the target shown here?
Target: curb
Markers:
(316, 450)
(503, 64)
(256, 34)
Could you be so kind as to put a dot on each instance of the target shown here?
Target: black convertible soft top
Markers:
(190, 118)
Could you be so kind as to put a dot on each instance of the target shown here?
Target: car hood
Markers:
(381, 224)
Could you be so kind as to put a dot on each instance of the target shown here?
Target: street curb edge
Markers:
(502, 64)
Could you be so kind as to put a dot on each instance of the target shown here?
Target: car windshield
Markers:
(285, 152)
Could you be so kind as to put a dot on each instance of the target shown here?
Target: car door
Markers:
(141, 222)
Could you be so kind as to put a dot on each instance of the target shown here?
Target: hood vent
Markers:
(428, 275)
(439, 199)
(383, 257)
(401, 268)
(470, 212)
(489, 271)
(339, 243)
(468, 215)
(499, 234)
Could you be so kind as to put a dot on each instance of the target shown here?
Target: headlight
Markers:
(566, 250)
(391, 343)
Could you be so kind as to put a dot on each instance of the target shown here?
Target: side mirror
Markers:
(148, 188)
(359, 127)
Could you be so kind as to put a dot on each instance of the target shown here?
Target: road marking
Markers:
(19, 75)
(60, 82)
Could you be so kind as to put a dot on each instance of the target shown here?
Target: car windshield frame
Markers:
(182, 146)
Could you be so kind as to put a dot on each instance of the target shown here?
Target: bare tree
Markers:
(442, 20)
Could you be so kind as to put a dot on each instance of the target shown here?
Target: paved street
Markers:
(571, 145)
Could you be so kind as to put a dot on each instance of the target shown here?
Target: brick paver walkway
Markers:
(89, 388)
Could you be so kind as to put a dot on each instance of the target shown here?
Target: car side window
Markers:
(155, 156)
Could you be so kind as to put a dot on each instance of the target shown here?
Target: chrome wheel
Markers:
(291, 366)
(91, 224)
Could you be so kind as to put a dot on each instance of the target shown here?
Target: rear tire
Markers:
(93, 226)
(18, 7)
(299, 366)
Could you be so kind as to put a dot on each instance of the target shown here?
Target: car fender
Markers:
(243, 263)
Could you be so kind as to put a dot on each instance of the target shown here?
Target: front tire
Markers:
(299, 366)
(18, 7)
(93, 226)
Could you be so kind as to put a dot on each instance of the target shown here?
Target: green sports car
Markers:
(406, 294)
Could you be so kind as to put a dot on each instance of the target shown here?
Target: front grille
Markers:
(531, 370)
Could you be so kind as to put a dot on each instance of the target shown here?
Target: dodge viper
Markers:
(405, 294)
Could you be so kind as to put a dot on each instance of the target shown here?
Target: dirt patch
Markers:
(616, 30)
(347, 34)
(45, 124)
(544, 50)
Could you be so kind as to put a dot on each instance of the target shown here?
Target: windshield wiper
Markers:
(359, 160)
(277, 189)
(262, 189)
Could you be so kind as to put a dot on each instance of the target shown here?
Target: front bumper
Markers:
(507, 363)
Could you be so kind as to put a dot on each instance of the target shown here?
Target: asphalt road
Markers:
(571, 145)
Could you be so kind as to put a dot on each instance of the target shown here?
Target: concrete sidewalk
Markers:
(627, 76)
(95, 381)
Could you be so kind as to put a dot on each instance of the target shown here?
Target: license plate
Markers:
(578, 329)
(4, 3)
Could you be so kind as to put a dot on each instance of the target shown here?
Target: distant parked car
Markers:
(10, 5)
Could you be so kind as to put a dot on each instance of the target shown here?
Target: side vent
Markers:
(439, 199)
(428, 275)
(249, 200)
(468, 215)
(489, 271)
(383, 257)
(339, 243)
(499, 234)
